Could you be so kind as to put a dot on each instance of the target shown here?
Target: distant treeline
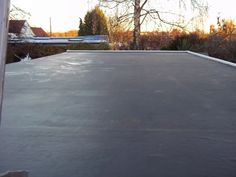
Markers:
(71, 33)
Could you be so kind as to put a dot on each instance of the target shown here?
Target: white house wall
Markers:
(26, 31)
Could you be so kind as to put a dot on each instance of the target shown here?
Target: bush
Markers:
(154, 41)
(190, 41)
(15, 52)
(220, 47)
(89, 46)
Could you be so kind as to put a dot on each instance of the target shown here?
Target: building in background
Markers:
(39, 32)
(20, 29)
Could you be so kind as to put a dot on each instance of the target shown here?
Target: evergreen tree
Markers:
(81, 28)
(95, 23)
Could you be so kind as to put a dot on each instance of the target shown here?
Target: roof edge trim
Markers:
(212, 58)
(125, 51)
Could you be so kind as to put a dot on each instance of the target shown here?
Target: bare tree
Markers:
(17, 13)
(138, 11)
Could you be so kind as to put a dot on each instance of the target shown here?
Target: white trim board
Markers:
(125, 51)
(212, 58)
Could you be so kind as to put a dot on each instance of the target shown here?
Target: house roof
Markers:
(39, 32)
(15, 26)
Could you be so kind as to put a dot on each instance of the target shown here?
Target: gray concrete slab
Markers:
(120, 115)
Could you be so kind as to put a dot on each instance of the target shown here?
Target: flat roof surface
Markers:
(120, 115)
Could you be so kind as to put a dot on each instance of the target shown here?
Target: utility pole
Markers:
(50, 21)
(4, 13)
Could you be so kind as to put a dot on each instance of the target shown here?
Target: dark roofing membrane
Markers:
(120, 115)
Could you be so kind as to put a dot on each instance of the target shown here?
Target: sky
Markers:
(65, 14)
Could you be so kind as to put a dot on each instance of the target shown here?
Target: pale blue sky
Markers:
(65, 13)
